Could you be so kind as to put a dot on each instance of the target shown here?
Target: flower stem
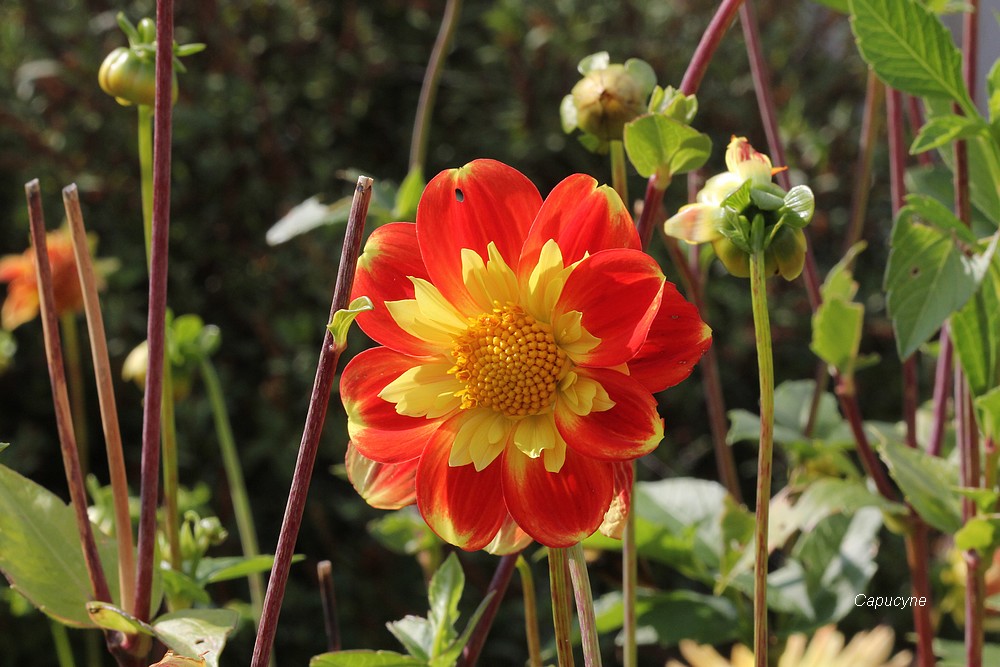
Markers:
(710, 40)
(584, 605)
(562, 613)
(619, 174)
(237, 485)
(874, 98)
(60, 643)
(530, 612)
(155, 329)
(315, 418)
(324, 572)
(762, 333)
(428, 91)
(630, 585)
(498, 586)
(145, 141)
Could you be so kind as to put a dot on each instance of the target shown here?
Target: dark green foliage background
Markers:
(289, 93)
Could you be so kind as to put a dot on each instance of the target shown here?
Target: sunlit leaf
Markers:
(660, 145)
(943, 130)
(196, 633)
(928, 483)
(365, 659)
(975, 331)
(110, 617)
(344, 318)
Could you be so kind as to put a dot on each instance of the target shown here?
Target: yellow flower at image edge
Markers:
(522, 341)
(825, 649)
(18, 271)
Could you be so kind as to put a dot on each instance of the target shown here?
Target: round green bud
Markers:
(130, 78)
(606, 99)
(789, 252)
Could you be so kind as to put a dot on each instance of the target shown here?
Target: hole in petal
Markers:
(459, 195)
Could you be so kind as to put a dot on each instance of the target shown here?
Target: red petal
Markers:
(387, 486)
(630, 429)
(483, 201)
(677, 339)
(377, 430)
(390, 255)
(557, 509)
(583, 218)
(510, 539)
(462, 506)
(618, 292)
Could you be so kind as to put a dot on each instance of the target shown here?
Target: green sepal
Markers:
(801, 201)
(765, 201)
(595, 61)
(110, 617)
(344, 317)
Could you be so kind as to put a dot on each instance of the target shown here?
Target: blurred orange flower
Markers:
(21, 304)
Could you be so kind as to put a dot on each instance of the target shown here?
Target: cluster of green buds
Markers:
(606, 98)
(742, 211)
(197, 535)
(129, 72)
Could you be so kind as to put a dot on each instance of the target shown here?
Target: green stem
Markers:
(146, 172)
(530, 613)
(762, 332)
(630, 577)
(237, 485)
(77, 400)
(619, 178)
(562, 614)
(584, 606)
(60, 642)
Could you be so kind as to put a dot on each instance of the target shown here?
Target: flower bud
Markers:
(130, 77)
(788, 250)
(606, 99)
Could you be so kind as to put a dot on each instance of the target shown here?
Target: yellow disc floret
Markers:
(509, 362)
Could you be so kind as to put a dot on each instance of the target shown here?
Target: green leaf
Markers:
(403, 531)
(936, 213)
(943, 130)
(836, 5)
(909, 48)
(3, 446)
(993, 92)
(977, 533)
(927, 279)
(953, 653)
(927, 482)
(365, 659)
(937, 182)
(643, 74)
(444, 594)
(110, 617)
(660, 145)
(408, 196)
(801, 201)
(836, 334)
(415, 633)
(975, 331)
(667, 618)
(988, 406)
(213, 570)
(344, 318)
(40, 551)
(793, 401)
(450, 655)
(197, 632)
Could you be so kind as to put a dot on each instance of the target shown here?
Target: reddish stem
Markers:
(710, 40)
(942, 386)
(155, 336)
(315, 418)
(870, 124)
(498, 586)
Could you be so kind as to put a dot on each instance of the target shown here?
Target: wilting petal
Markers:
(390, 258)
(629, 429)
(617, 292)
(386, 486)
(696, 223)
(376, 429)
(509, 540)
(462, 506)
(676, 341)
(469, 207)
(617, 515)
(582, 217)
(556, 509)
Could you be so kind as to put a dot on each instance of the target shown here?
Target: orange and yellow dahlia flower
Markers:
(22, 304)
(522, 342)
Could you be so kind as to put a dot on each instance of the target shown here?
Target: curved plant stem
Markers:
(874, 98)
(498, 586)
(145, 141)
(315, 418)
(584, 605)
(619, 178)
(106, 397)
(428, 91)
(710, 40)
(157, 309)
(234, 476)
(562, 613)
(530, 612)
(77, 398)
(765, 367)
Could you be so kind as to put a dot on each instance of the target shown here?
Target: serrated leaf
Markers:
(943, 130)
(110, 617)
(936, 213)
(197, 633)
(927, 279)
(344, 318)
(975, 331)
(909, 48)
(40, 551)
(927, 482)
(656, 144)
(363, 658)
(937, 182)
(408, 196)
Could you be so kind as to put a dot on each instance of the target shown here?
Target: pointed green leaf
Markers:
(656, 144)
(909, 48)
(365, 659)
(110, 617)
(40, 551)
(197, 632)
(416, 634)
(928, 483)
(344, 318)
(213, 570)
(3, 446)
(408, 196)
(943, 130)
(450, 655)
(988, 407)
(975, 331)
(937, 181)
(836, 5)
(836, 334)
(444, 594)
(993, 92)
(927, 279)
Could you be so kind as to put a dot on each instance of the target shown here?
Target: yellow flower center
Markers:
(508, 361)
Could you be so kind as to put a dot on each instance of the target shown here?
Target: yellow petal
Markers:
(571, 336)
(424, 391)
(696, 223)
(488, 282)
(480, 439)
(583, 395)
(428, 316)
